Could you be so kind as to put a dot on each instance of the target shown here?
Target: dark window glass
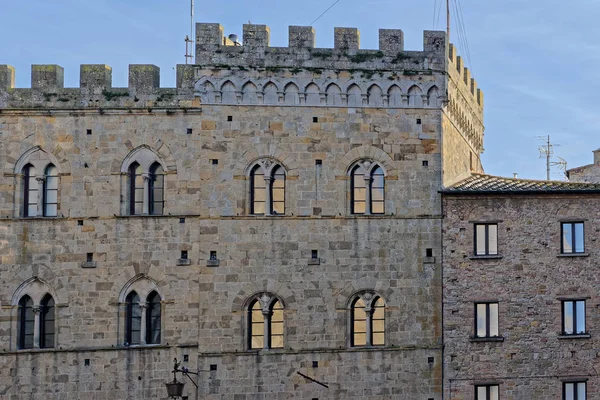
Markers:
(26, 323)
(276, 326)
(30, 192)
(573, 317)
(136, 189)
(50, 194)
(258, 190)
(486, 239)
(377, 191)
(486, 319)
(257, 326)
(157, 188)
(572, 237)
(153, 319)
(359, 190)
(133, 319)
(278, 191)
(47, 318)
(574, 391)
(487, 392)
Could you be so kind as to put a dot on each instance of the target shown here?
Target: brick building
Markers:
(272, 221)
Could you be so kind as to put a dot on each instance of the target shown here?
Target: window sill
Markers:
(184, 261)
(488, 339)
(212, 263)
(573, 255)
(490, 257)
(428, 260)
(577, 336)
(314, 261)
(88, 264)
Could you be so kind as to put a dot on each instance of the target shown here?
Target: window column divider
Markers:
(40, 179)
(143, 322)
(36, 326)
(146, 205)
(368, 181)
(268, 192)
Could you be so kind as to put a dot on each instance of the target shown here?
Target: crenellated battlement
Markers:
(213, 49)
(461, 75)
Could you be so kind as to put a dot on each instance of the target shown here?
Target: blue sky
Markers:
(537, 61)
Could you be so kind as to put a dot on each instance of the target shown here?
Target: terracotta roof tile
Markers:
(481, 183)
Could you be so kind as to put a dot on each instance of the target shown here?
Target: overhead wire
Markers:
(324, 12)
(464, 31)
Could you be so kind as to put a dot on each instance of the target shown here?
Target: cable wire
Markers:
(324, 12)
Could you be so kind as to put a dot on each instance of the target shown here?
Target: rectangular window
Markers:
(486, 320)
(572, 238)
(487, 392)
(573, 317)
(486, 239)
(574, 391)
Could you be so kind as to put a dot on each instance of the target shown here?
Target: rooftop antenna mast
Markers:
(447, 19)
(188, 39)
(547, 151)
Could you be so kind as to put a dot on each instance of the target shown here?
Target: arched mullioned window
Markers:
(50, 195)
(265, 323)
(367, 188)
(47, 318)
(367, 321)
(26, 318)
(144, 188)
(133, 320)
(153, 319)
(267, 188)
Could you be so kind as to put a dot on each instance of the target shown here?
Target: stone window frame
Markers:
(268, 167)
(370, 166)
(147, 159)
(369, 298)
(143, 287)
(474, 255)
(37, 291)
(488, 395)
(572, 223)
(40, 161)
(266, 300)
(575, 382)
(487, 337)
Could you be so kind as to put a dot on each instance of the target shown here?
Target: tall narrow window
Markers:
(153, 321)
(487, 392)
(572, 238)
(157, 188)
(257, 326)
(278, 191)
(265, 323)
(377, 191)
(136, 189)
(50, 196)
(258, 190)
(26, 323)
(573, 317)
(486, 239)
(486, 320)
(359, 190)
(30, 186)
(367, 322)
(47, 318)
(276, 326)
(133, 320)
(574, 391)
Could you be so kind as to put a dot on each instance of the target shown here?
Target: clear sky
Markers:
(537, 61)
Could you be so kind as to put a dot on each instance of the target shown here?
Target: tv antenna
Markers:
(189, 48)
(547, 151)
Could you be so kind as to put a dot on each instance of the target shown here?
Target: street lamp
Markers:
(175, 388)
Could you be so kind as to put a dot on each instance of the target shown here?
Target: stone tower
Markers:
(273, 222)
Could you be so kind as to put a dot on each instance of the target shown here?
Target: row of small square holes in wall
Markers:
(189, 131)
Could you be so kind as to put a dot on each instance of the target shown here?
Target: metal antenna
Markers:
(188, 39)
(547, 151)
(448, 19)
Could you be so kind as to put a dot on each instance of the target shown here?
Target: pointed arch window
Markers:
(367, 321)
(133, 320)
(50, 195)
(153, 319)
(26, 319)
(267, 189)
(265, 323)
(367, 191)
(30, 188)
(47, 319)
(157, 189)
